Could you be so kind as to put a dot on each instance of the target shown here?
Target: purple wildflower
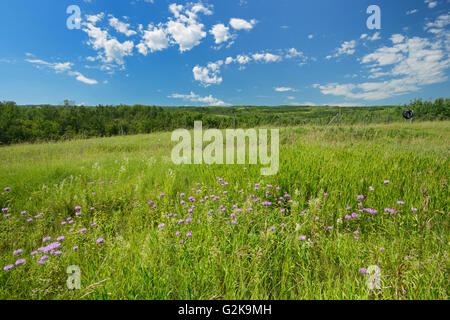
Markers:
(20, 261)
(8, 267)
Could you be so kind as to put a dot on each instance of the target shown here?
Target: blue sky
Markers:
(223, 52)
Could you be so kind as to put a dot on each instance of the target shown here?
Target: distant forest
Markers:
(49, 123)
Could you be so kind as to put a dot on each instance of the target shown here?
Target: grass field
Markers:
(303, 246)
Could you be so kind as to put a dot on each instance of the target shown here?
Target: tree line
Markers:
(50, 123)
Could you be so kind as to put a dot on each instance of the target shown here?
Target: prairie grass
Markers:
(139, 259)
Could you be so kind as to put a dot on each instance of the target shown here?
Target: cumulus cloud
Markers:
(154, 38)
(347, 48)
(210, 74)
(267, 57)
(221, 33)
(110, 50)
(121, 27)
(192, 97)
(404, 67)
(184, 28)
(207, 75)
(241, 24)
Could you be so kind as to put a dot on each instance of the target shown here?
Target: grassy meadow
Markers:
(315, 240)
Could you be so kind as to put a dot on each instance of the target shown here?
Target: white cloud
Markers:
(409, 63)
(221, 33)
(110, 49)
(397, 38)
(376, 36)
(211, 73)
(185, 29)
(60, 67)
(292, 53)
(133, 2)
(241, 24)
(79, 77)
(431, 4)
(267, 57)
(121, 27)
(154, 38)
(439, 24)
(242, 59)
(192, 97)
(348, 48)
(411, 11)
(284, 89)
(206, 76)
(229, 60)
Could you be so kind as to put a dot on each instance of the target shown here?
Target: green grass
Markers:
(138, 260)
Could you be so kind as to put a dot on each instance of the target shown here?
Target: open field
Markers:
(305, 245)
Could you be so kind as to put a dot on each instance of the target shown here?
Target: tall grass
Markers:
(140, 259)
